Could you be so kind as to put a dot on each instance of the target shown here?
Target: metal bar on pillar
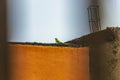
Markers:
(94, 18)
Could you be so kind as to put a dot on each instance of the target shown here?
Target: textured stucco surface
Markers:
(104, 53)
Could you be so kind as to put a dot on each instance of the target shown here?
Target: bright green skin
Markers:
(59, 42)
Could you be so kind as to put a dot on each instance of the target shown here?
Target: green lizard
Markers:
(59, 42)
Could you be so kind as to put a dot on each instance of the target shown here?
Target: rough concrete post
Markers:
(104, 53)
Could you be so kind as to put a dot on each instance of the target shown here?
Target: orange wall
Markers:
(29, 62)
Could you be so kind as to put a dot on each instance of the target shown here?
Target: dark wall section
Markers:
(3, 44)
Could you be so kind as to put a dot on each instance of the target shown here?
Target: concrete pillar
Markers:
(104, 53)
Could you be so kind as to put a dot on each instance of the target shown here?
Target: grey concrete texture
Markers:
(104, 53)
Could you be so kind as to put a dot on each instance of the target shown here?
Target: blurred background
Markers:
(44, 20)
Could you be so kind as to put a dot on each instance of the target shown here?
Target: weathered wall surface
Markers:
(104, 53)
